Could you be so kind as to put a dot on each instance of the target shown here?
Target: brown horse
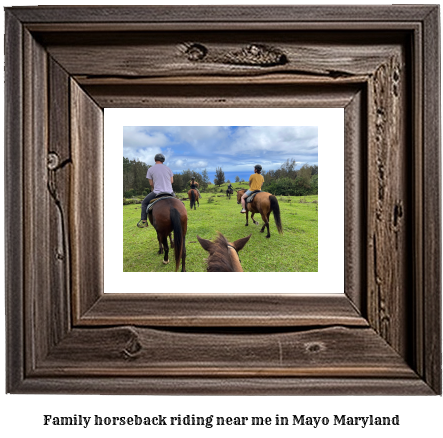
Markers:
(229, 192)
(223, 255)
(167, 216)
(263, 203)
(193, 198)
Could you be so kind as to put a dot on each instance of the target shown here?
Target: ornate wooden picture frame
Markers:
(65, 64)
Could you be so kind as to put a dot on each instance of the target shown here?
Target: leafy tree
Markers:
(182, 180)
(127, 175)
(268, 176)
(288, 181)
(314, 184)
(179, 184)
(140, 182)
(288, 168)
(287, 187)
(219, 177)
(205, 181)
(134, 176)
(237, 179)
(304, 175)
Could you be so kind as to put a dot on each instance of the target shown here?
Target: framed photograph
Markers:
(309, 252)
(378, 332)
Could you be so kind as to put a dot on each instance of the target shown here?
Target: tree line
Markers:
(135, 182)
(134, 178)
(284, 181)
(291, 182)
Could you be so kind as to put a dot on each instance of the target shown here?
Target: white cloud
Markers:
(136, 137)
(235, 149)
(287, 139)
(183, 163)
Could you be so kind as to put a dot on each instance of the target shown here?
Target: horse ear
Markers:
(206, 244)
(240, 243)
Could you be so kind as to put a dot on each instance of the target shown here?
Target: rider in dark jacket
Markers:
(194, 185)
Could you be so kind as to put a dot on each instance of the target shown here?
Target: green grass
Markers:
(296, 250)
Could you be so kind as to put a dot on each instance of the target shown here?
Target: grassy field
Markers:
(296, 250)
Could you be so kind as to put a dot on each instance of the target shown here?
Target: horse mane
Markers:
(219, 259)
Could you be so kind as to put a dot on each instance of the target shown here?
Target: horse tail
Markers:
(178, 236)
(276, 211)
(192, 198)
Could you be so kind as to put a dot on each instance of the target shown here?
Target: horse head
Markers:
(240, 193)
(223, 255)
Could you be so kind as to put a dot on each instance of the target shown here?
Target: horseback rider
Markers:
(230, 190)
(160, 178)
(255, 182)
(194, 185)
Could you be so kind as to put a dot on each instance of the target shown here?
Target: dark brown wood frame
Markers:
(64, 65)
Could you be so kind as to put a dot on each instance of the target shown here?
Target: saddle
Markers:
(251, 197)
(159, 197)
(163, 194)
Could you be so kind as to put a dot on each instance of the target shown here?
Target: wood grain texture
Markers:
(232, 95)
(59, 167)
(72, 62)
(431, 316)
(167, 54)
(250, 310)
(14, 267)
(37, 257)
(355, 186)
(222, 14)
(289, 386)
(86, 209)
(129, 351)
(389, 197)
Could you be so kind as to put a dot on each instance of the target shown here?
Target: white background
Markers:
(22, 415)
(328, 279)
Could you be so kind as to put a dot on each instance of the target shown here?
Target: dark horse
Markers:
(193, 198)
(167, 216)
(229, 192)
(263, 203)
(223, 255)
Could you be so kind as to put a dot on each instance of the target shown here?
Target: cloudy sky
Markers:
(236, 149)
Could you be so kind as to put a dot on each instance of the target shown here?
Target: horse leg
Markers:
(252, 217)
(266, 224)
(247, 214)
(160, 245)
(170, 240)
(165, 245)
(184, 256)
